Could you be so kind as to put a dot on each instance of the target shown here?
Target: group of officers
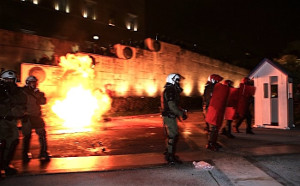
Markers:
(221, 101)
(20, 104)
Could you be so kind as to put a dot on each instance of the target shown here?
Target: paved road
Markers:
(270, 157)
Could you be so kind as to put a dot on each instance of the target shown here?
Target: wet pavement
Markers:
(133, 149)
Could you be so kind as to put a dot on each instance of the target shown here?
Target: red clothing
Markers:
(245, 96)
(231, 105)
(216, 109)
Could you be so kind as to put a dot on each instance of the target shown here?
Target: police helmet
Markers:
(215, 78)
(228, 82)
(9, 74)
(30, 79)
(174, 78)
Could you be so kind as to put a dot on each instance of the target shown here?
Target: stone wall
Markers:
(146, 72)
(16, 48)
(142, 75)
(136, 83)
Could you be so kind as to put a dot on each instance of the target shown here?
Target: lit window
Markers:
(62, 5)
(32, 1)
(84, 13)
(67, 9)
(131, 22)
(56, 6)
(89, 9)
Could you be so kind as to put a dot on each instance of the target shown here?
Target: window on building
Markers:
(89, 9)
(274, 86)
(266, 92)
(290, 91)
(131, 22)
(274, 91)
(62, 5)
(32, 1)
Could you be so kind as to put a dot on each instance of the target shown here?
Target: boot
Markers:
(9, 169)
(212, 146)
(26, 156)
(236, 130)
(173, 159)
(228, 134)
(207, 128)
(224, 132)
(44, 155)
(2, 147)
(249, 131)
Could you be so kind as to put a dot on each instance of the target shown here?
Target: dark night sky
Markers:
(228, 29)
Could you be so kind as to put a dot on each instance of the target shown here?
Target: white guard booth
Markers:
(273, 105)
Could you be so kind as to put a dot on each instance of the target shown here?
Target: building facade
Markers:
(95, 24)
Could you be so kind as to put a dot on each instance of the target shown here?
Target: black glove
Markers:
(184, 116)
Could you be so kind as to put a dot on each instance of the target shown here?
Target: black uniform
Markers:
(12, 108)
(34, 120)
(170, 111)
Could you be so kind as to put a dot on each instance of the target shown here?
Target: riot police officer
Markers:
(246, 100)
(208, 90)
(12, 108)
(33, 119)
(230, 108)
(170, 112)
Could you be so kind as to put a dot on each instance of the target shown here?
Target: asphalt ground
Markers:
(270, 157)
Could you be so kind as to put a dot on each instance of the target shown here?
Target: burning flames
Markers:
(78, 108)
(79, 103)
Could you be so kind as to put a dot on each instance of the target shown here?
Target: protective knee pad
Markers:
(171, 141)
(172, 144)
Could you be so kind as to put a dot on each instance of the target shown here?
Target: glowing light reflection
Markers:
(187, 88)
(122, 89)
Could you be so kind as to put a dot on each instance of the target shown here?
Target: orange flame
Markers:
(77, 108)
(79, 102)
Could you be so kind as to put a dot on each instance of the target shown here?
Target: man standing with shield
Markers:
(215, 114)
(245, 99)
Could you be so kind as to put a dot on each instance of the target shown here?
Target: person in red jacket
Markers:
(245, 100)
(208, 90)
(215, 114)
(230, 109)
